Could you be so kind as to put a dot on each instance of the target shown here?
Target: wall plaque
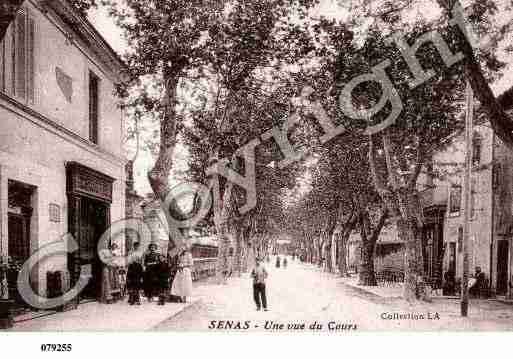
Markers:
(65, 83)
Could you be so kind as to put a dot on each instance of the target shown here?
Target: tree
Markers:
(398, 153)
(342, 189)
(490, 20)
(180, 45)
(252, 111)
(429, 114)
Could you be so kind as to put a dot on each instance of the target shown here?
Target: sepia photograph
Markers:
(322, 167)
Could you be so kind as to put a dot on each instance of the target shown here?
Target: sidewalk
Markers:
(389, 292)
(394, 291)
(95, 316)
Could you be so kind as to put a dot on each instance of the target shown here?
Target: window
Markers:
(94, 82)
(460, 239)
(17, 58)
(496, 175)
(455, 199)
(2, 65)
(476, 149)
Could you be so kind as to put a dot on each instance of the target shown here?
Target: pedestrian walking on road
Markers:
(182, 284)
(284, 262)
(278, 262)
(259, 275)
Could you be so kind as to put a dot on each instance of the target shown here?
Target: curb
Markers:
(188, 305)
(505, 301)
(444, 297)
(367, 292)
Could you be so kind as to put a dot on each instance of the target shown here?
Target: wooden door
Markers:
(93, 219)
(19, 236)
(452, 257)
(19, 251)
(502, 267)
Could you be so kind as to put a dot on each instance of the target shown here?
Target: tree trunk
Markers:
(239, 250)
(413, 265)
(247, 253)
(369, 235)
(158, 176)
(367, 275)
(320, 252)
(223, 227)
(343, 238)
(223, 260)
(328, 255)
(408, 227)
(342, 251)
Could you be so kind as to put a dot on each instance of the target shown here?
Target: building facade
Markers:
(491, 202)
(62, 167)
(491, 225)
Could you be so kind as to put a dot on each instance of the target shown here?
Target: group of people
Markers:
(278, 262)
(165, 277)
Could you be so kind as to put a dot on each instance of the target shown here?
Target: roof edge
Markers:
(83, 27)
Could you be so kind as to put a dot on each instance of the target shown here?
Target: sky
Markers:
(113, 35)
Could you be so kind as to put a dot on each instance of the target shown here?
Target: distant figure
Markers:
(284, 262)
(259, 275)
(278, 262)
(182, 284)
(134, 277)
(479, 283)
(449, 285)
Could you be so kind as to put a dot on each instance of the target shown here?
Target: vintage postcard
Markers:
(263, 166)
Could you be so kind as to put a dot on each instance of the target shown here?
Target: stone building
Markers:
(62, 166)
(491, 226)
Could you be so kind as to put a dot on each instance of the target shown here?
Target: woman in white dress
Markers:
(182, 284)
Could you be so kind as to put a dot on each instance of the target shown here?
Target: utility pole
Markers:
(467, 188)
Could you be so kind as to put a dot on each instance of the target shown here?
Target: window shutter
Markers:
(20, 56)
(2, 65)
(30, 58)
(93, 107)
(8, 59)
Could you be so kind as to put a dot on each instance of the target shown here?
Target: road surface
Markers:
(303, 298)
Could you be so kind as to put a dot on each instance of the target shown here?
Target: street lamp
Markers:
(468, 169)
